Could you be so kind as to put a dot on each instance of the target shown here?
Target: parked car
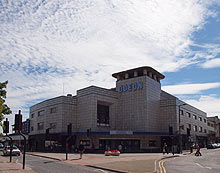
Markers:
(112, 153)
(1, 146)
(215, 145)
(210, 146)
(15, 151)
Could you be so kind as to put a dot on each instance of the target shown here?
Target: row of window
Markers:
(40, 126)
(211, 125)
(194, 116)
(195, 129)
(42, 112)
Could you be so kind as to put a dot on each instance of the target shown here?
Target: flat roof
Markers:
(139, 69)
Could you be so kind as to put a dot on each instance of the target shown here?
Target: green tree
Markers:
(4, 109)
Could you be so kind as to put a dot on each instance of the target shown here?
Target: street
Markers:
(40, 164)
(208, 162)
(143, 162)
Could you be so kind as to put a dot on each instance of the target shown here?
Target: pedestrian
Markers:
(191, 148)
(165, 150)
(120, 147)
(81, 149)
(198, 150)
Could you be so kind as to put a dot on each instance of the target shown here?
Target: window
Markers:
(195, 128)
(152, 143)
(32, 128)
(53, 125)
(32, 115)
(189, 125)
(40, 126)
(181, 112)
(200, 118)
(102, 115)
(204, 120)
(195, 117)
(188, 114)
(209, 124)
(205, 131)
(200, 129)
(53, 110)
(41, 113)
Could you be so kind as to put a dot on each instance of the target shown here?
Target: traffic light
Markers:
(18, 121)
(170, 130)
(6, 126)
(69, 129)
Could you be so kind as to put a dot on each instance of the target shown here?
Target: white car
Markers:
(15, 151)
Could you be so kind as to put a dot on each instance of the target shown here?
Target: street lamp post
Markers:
(180, 136)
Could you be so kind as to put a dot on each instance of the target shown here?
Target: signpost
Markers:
(69, 133)
(18, 127)
(6, 131)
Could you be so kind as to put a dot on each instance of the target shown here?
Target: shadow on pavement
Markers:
(106, 169)
(76, 159)
(52, 161)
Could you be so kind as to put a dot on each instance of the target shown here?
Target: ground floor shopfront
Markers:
(95, 142)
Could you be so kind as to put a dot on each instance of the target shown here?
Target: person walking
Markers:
(198, 150)
(81, 149)
(165, 150)
(191, 148)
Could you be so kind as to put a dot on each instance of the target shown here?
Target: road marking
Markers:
(199, 165)
(161, 171)
(203, 166)
(102, 170)
(161, 165)
(164, 170)
(208, 167)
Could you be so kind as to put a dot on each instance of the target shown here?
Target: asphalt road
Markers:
(209, 162)
(44, 165)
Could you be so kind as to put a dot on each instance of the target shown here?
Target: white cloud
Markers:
(190, 88)
(45, 44)
(213, 63)
(209, 104)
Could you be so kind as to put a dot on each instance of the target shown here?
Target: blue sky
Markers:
(48, 48)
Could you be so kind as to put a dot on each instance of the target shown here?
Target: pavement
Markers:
(8, 167)
(132, 162)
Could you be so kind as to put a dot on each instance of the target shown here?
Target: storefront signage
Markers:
(130, 87)
(28, 126)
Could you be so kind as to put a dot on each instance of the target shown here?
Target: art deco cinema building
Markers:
(136, 114)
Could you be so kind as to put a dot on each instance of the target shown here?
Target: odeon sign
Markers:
(130, 87)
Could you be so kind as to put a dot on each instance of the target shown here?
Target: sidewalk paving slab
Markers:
(7, 167)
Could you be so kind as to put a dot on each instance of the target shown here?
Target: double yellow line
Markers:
(161, 165)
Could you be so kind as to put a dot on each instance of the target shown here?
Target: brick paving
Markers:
(8, 167)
